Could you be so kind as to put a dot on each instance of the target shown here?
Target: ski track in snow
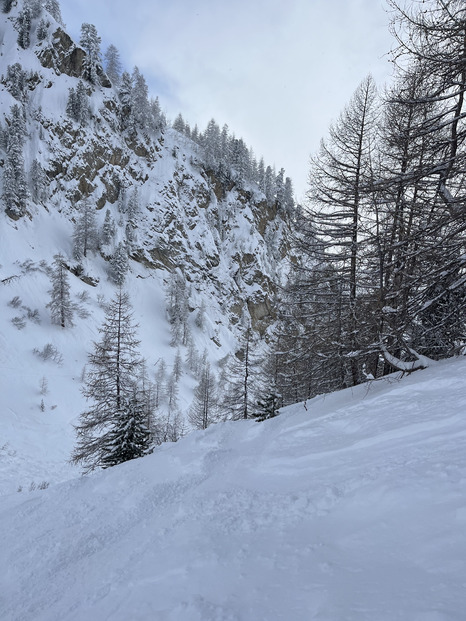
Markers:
(353, 509)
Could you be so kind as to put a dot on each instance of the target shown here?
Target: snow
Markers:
(352, 507)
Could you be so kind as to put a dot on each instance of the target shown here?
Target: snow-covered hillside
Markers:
(221, 240)
(352, 508)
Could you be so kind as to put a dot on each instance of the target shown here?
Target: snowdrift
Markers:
(351, 508)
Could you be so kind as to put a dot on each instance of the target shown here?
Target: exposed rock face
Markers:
(62, 55)
(226, 241)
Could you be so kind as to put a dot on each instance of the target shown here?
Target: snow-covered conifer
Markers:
(23, 26)
(15, 189)
(204, 409)
(178, 312)
(35, 7)
(38, 182)
(15, 81)
(140, 110)
(119, 264)
(179, 124)
(267, 406)
(172, 392)
(192, 357)
(200, 316)
(159, 386)
(158, 121)
(261, 175)
(124, 93)
(269, 185)
(241, 392)
(61, 308)
(280, 187)
(85, 237)
(113, 67)
(108, 229)
(77, 106)
(90, 42)
(42, 29)
(288, 196)
(114, 428)
(53, 7)
(178, 366)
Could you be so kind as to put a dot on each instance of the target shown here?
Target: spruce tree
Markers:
(115, 428)
(90, 42)
(119, 264)
(85, 235)
(53, 7)
(139, 102)
(61, 308)
(108, 229)
(24, 27)
(38, 182)
(268, 406)
(124, 93)
(113, 66)
(15, 189)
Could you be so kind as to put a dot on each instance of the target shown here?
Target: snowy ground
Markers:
(353, 509)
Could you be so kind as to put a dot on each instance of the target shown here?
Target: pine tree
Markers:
(53, 7)
(130, 436)
(288, 196)
(35, 6)
(159, 386)
(124, 93)
(268, 406)
(42, 29)
(139, 102)
(38, 182)
(108, 229)
(158, 121)
(242, 377)
(338, 209)
(269, 185)
(16, 81)
(77, 106)
(119, 264)
(280, 188)
(204, 409)
(178, 366)
(61, 308)
(424, 260)
(24, 27)
(85, 237)
(90, 43)
(113, 67)
(179, 124)
(15, 189)
(115, 428)
(178, 312)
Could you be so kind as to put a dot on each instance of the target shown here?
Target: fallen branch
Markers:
(407, 366)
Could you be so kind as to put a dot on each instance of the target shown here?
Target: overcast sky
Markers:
(276, 71)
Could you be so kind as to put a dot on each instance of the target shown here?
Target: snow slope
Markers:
(351, 509)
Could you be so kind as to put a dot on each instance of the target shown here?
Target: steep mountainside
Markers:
(225, 237)
(69, 143)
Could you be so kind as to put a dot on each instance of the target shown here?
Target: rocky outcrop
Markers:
(64, 56)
